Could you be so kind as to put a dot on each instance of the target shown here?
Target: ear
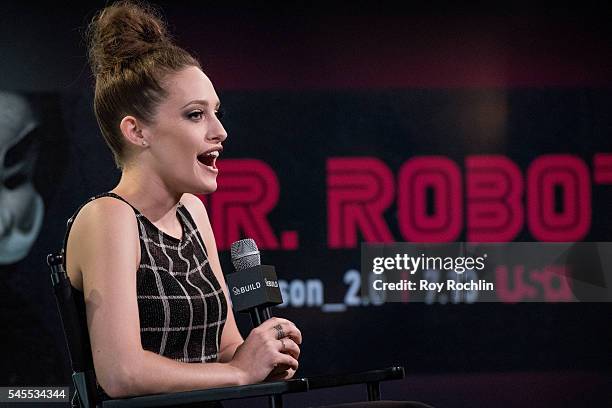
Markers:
(132, 131)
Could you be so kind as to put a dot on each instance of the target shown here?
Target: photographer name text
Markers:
(425, 285)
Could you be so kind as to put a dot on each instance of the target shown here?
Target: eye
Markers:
(195, 115)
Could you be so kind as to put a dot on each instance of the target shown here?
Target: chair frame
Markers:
(84, 380)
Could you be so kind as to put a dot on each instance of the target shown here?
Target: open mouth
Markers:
(209, 159)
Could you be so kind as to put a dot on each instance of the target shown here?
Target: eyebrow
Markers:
(201, 102)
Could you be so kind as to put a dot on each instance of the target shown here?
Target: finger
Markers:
(294, 334)
(279, 369)
(275, 324)
(290, 374)
(280, 376)
(273, 321)
(287, 360)
(288, 346)
(282, 330)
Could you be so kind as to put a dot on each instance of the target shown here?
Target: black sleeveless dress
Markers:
(181, 305)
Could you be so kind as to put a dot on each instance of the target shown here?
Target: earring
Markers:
(144, 142)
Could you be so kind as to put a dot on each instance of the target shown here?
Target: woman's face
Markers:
(185, 135)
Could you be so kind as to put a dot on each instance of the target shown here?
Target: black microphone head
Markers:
(245, 254)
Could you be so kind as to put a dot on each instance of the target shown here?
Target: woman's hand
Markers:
(270, 352)
(280, 374)
(284, 372)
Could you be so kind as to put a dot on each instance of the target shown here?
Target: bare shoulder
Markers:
(98, 229)
(105, 213)
(196, 208)
(192, 201)
(106, 236)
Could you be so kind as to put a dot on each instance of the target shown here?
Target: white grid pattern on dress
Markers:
(175, 275)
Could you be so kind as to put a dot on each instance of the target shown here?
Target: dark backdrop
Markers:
(302, 86)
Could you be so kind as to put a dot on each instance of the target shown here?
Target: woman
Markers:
(143, 256)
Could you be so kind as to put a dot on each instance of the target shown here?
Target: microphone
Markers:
(253, 287)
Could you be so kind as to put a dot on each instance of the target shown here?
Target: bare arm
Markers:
(233, 348)
(108, 258)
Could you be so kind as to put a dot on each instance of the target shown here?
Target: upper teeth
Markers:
(214, 153)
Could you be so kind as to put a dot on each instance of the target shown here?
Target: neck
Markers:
(149, 194)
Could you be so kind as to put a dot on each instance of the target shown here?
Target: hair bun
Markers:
(122, 33)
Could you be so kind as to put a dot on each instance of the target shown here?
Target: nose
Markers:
(216, 132)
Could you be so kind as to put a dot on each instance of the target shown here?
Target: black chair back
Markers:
(75, 332)
(83, 375)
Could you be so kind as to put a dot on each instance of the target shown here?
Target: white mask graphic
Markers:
(21, 207)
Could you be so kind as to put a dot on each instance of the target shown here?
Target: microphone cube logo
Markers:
(271, 283)
(246, 288)
(253, 287)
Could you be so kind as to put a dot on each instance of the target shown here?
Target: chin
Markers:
(209, 187)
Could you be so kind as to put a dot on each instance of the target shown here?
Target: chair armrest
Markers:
(212, 394)
(336, 380)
